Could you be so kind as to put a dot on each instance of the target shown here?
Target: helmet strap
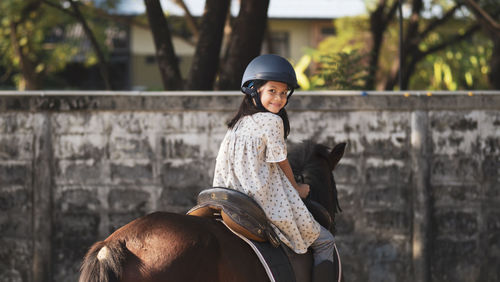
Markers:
(256, 97)
(288, 97)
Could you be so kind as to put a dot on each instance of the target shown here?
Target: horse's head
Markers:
(313, 164)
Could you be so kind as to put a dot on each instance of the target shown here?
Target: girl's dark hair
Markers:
(247, 108)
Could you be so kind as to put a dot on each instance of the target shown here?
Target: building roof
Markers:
(286, 9)
(326, 9)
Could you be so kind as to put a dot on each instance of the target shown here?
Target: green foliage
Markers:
(49, 37)
(343, 70)
(32, 31)
(340, 61)
(352, 33)
(300, 69)
(463, 66)
(460, 66)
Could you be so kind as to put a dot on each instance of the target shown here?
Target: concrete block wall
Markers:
(418, 185)
(17, 139)
(464, 185)
(373, 179)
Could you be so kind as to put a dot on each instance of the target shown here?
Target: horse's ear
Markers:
(336, 154)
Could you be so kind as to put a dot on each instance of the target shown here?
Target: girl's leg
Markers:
(323, 247)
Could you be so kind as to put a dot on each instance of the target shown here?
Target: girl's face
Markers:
(273, 95)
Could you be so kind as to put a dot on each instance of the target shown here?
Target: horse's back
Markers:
(170, 247)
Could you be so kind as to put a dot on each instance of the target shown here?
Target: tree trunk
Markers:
(411, 42)
(494, 74)
(245, 43)
(206, 58)
(30, 77)
(379, 20)
(165, 55)
(31, 80)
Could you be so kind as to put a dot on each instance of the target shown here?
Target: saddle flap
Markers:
(252, 233)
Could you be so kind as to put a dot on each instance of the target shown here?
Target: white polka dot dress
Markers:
(248, 162)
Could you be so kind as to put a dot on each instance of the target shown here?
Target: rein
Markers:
(299, 178)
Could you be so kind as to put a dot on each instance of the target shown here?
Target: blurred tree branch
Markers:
(191, 23)
(245, 43)
(165, 53)
(380, 19)
(485, 18)
(77, 14)
(492, 27)
(414, 37)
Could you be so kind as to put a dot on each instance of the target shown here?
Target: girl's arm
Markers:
(302, 188)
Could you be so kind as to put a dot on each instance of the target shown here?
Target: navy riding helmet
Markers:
(268, 67)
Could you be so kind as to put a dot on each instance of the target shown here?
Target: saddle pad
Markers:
(274, 260)
(277, 261)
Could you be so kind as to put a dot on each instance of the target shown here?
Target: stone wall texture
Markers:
(418, 184)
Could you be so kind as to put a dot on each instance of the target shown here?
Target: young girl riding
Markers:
(253, 159)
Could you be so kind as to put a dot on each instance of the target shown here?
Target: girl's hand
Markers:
(303, 190)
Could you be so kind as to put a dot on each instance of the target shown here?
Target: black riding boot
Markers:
(323, 272)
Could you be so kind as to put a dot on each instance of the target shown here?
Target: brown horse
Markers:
(165, 246)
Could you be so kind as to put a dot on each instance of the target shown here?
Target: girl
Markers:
(253, 159)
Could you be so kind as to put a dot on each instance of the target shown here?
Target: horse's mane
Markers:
(306, 160)
(301, 156)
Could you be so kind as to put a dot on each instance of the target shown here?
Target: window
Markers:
(149, 60)
(323, 30)
(327, 31)
(277, 42)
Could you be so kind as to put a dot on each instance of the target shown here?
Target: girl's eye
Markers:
(282, 94)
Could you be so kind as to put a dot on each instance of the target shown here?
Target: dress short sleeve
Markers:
(275, 139)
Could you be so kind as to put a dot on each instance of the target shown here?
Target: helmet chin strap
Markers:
(288, 98)
(252, 92)
(256, 97)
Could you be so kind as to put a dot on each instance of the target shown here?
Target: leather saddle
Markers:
(242, 214)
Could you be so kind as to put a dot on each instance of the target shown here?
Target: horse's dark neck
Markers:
(311, 161)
